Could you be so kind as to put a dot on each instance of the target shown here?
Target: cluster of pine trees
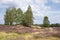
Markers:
(17, 16)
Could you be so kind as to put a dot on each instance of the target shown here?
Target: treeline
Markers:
(17, 16)
(55, 25)
(46, 23)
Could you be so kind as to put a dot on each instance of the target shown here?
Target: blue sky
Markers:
(40, 8)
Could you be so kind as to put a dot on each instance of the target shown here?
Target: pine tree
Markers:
(14, 13)
(46, 22)
(16, 16)
(8, 17)
(19, 15)
(28, 17)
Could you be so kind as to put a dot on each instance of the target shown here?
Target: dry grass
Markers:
(28, 33)
(7, 36)
(25, 36)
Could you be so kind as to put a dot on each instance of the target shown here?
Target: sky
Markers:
(40, 8)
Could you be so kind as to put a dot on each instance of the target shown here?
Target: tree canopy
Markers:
(46, 22)
(17, 16)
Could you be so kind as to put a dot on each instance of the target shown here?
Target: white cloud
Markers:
(1, 18)
(38, 15)
(7, 1)
(38, 6)
(56, 1)
(28, 1)
(54, 19)
(40, 1)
